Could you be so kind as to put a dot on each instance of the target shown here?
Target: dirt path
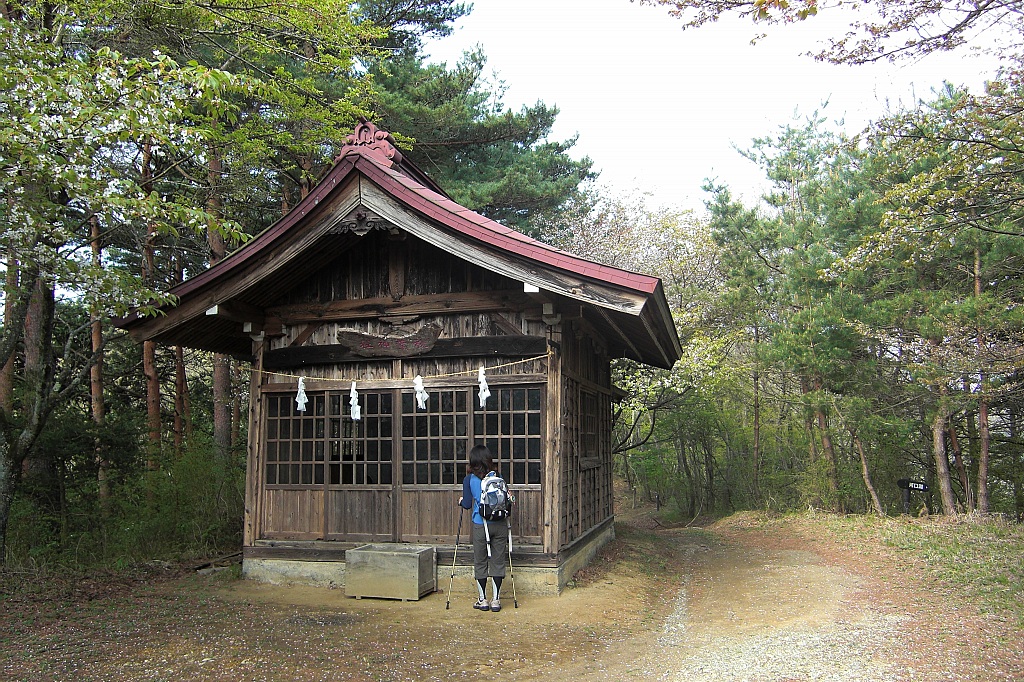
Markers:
(739, 601)
(763, 603)
(747, 613)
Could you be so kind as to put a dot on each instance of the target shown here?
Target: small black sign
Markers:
(907, 484)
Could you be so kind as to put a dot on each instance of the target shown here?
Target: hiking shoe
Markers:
(483, 605)
(495, 605)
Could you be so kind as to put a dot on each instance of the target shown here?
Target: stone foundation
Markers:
(541, 580)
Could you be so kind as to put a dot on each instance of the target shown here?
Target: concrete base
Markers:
(390, 571)
(529, 580)
(287, 572)
(584, 555)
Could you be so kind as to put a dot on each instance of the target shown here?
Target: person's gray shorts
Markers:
(493, 566)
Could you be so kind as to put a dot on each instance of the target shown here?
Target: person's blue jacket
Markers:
(471, 497)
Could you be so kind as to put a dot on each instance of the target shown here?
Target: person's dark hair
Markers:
(480, 461)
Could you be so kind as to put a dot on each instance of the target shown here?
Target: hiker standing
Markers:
(490, 538)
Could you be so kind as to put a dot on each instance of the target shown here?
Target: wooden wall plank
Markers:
(294, 513)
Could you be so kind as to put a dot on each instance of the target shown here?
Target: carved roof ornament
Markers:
(377, 142)
(360, 221)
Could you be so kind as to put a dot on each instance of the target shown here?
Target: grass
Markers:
(977, 557)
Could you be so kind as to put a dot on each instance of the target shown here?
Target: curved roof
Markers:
(370, 177)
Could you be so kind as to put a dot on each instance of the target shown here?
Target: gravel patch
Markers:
(697, 646)
(844, 651)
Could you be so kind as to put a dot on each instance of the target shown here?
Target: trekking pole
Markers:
(510, 573)
(458, 534)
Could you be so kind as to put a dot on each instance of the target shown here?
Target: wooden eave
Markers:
(629, 308)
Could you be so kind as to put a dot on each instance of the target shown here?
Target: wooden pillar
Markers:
(553, 452)
(254, 470)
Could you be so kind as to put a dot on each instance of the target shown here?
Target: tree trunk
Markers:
(18, 432)
(983, 423)
(985, 436)
(866, 475)
(7, 370)
(180, 380)
(942, 474)
(961, 471)
(222, 405)
(96, 385)
(180, 386)
(630, 482)
(286, 204)
(221, 363)
(19, 436)
(831, 459)
(306, 164)
(830, 453)
(236, 405)
(757, 414)
(812, 445)
(1018, 489)
(10, 464)
(684, 464)
(709, 473)
(149, 368)
(39, 468)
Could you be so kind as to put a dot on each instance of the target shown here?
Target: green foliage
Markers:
(490, 159)
(842, 311)
(170, 129)
(190, 508)
(72, 121)
(409, 22)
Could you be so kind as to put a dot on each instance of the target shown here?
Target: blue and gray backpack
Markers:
(495, 502)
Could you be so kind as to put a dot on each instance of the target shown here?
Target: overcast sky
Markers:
(658, 108)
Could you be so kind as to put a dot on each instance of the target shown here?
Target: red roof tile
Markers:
(495, 234)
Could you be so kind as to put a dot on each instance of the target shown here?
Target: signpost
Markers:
(906, 485)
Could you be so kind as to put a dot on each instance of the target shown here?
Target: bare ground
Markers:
(748, 598)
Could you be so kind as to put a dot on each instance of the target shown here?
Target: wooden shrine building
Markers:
(378, 277)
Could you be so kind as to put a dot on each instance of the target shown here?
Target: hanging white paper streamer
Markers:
(300, 397)
(485, 392)
(421, 393)
(353, 401)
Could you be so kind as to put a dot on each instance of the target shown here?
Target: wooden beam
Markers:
(506, 346)
(305, 334)
(504, 325)
(467, 379)
(366, 308)
(236, 311)
(654, 337)
(588, 384)
(622, 335)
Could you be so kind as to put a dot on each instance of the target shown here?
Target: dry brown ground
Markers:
(658, 604)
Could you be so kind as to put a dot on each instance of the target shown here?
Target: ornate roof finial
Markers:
(377, 142)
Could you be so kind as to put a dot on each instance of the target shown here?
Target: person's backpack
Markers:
(495, 502)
